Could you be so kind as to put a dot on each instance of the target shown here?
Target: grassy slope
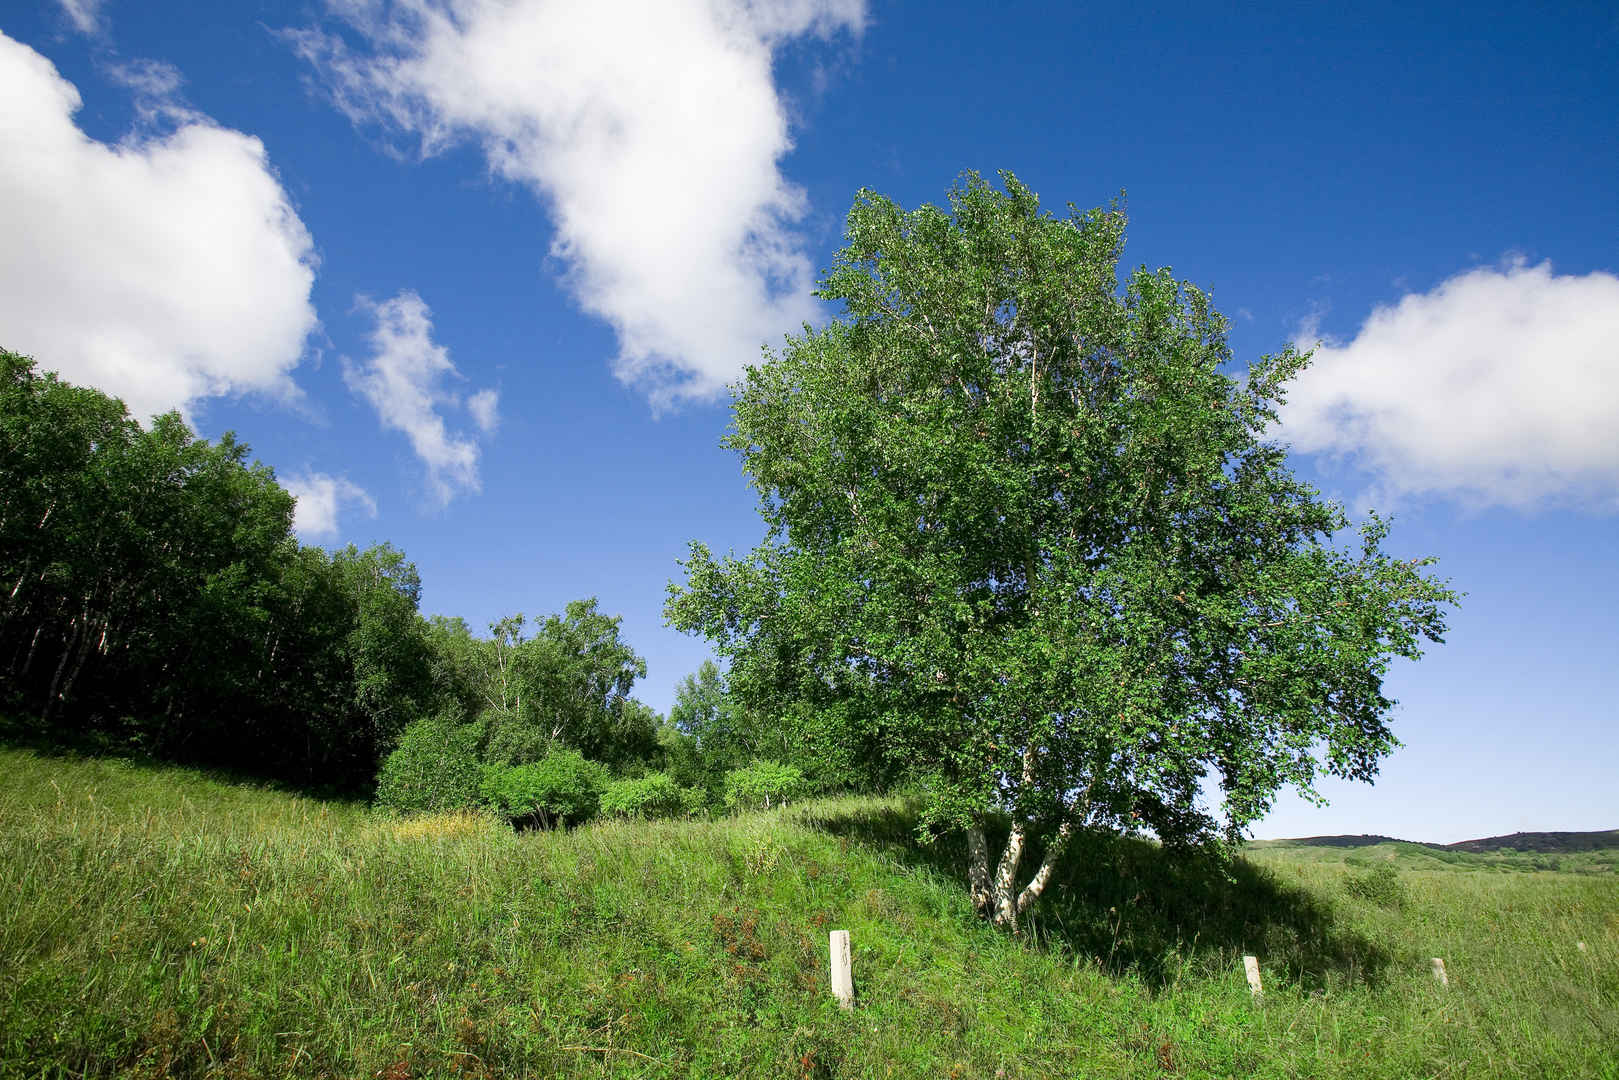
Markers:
(153, 920)
(1528, 847)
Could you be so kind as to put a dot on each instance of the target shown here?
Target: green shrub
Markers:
(654, 795)
(560, 788)
(694, 800)
(434, 767)
(762, 785)
(1380, 885)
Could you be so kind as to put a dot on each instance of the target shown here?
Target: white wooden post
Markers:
(842, 973)
(1439, 972)
(1250, 967)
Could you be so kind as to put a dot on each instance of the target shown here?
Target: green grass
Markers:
(154, 921)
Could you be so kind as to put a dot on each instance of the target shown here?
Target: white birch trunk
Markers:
(1042, 877)
(1006, 879)
(978, 870)
(999, 899)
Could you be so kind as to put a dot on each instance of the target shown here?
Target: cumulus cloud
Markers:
(165, 269)
(652, 129)
(85, 15)
(404, 381)
(1500, 387)
(321, 498)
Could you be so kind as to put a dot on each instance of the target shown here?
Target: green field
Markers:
(154, 921)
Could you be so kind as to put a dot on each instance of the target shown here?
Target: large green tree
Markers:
(1028, 537)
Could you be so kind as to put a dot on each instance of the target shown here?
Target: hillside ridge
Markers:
(1556, 841)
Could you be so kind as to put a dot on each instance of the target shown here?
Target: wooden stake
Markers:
(1439, 972)
(1250, 967)
(842, 969)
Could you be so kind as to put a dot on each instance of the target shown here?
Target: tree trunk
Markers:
(1042, 877)
(28, 661)
(78, 663)
(1006, 879)
(1000, 900)
(978, 869)
(61, 666)
(1004, 907)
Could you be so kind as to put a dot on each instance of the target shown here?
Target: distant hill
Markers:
(1348, 841)
(1540, 842)
(1543, 841)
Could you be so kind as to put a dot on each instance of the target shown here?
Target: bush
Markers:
(1380, 885)
(694, 800)
(654, 795)
(561, 787)
(762, 785)
(435, 767)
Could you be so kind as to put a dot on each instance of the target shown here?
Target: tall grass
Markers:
(156, 922)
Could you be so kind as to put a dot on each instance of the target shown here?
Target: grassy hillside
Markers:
(1603, 842)
(156, 922)
(1607, 840)
(1588, 856)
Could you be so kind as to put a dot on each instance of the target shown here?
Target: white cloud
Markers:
(484, 407)
(403, 380)
(85, 15)
(156, 85)
(165, 269)
(320, 499)
(1499, 387)
(651, 129)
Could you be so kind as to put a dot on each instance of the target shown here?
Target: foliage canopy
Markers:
(155, 598)
(1027, 538)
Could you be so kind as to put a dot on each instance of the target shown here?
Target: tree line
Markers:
(155, 600)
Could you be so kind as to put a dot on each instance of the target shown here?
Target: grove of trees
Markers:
(154, 597)
(156, 601)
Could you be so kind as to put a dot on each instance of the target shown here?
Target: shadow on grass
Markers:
(75, 746)
(1137, 907)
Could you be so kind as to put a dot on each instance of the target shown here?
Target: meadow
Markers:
(156, 921)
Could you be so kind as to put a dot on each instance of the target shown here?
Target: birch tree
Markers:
(1028, 529)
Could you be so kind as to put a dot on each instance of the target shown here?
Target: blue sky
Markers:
(472, 276)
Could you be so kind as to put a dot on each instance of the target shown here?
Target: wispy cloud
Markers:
(484, 406)
(1500, 387)
(85, 15)
(157, 89)
(651, 129)
(404, 380)
(321, 499)
(166, 269)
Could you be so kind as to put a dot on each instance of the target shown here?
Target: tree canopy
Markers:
(566, 683)
(155, 599)
(1027, 538)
